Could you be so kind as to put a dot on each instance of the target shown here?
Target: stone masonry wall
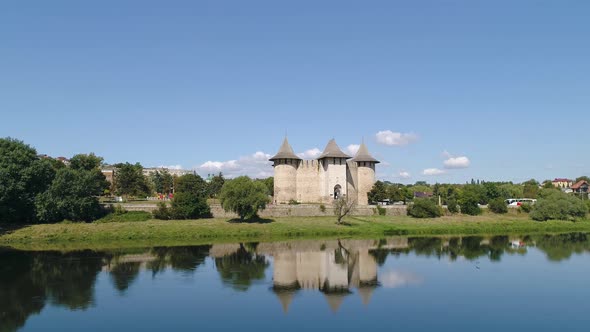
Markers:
(284, 210)
(309, 210)
(308, 181)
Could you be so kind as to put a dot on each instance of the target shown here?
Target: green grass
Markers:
(128, 216)
(104, 234)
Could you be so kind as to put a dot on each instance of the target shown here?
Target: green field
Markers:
(112, 233)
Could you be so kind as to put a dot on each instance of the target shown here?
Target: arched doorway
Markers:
(337, 191)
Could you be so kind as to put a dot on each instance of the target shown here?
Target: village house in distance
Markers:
(332, 175)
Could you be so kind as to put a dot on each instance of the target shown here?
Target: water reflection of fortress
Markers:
(338, 269)
(333, 272)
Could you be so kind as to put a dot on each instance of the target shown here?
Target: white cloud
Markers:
(396, 279)
(171, 166)
(255, 165)
(310, 154)
(433, 171)
(404, 175)
(219, 166)
(388, 137)
(352, 149)
(457, 162)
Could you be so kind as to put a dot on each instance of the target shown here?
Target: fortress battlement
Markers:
(332, 175)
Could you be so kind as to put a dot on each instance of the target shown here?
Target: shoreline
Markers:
(112, 235)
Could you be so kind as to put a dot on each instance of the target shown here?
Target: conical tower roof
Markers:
(366, 293)
(286, 297)
(363, 155)
(335, 300)
(333, 151)
(285, 152)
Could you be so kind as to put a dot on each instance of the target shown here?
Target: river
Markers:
(495, 283)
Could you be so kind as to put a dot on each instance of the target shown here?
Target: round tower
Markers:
(333, 179)
(285, 164)
(365, 173)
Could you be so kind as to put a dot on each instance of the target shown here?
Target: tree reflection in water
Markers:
(239, 269)
(31, 280)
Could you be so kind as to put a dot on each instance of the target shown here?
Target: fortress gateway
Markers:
(332, 175)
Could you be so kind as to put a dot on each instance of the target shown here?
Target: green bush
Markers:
(127, 216)
(525, 208)
(469, 205)
(162, 212)
(244, 197)
(187, 205)
(498, 205)
(293, 202)
(424, 208)
(73, 195)
(559, 206)
(322, 208)
(453, 206)
(381, 210)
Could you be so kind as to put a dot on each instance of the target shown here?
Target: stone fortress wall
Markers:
(285, 210)
(322, 180)
(308, 186)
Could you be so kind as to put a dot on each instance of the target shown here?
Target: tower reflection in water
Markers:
(337, 269)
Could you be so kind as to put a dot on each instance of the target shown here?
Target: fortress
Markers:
(332, 175)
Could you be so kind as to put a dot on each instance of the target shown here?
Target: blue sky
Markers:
(501, 86)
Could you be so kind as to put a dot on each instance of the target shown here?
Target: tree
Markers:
(244, 197)
(491, 192)
(498, 205)
(583, 178)
(91, 163)
(452, 205)
(407, 194)
(469, 202)
(22, 177)
(130, 181)
(86, 162)
(191, 183)
(73, 194)
(216, 184)
(162, 181)
(530, 189)
(189, 202)
(378, 192)
(343, 206)
(510, 190)
(424, 208)
(270, 185)
(186, 205)
(558, 206)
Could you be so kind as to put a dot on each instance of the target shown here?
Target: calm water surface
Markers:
(408, 284)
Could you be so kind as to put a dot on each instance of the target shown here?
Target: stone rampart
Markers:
(285, 210)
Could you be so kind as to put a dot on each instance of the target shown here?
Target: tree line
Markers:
(468, 198)
(35, 189)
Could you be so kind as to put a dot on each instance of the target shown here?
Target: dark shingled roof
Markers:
(364, 155)
(285, 152)
(333, 151)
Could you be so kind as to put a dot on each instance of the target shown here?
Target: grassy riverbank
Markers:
(169, 233)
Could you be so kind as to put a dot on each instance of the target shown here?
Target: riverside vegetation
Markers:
(46, 191)
(134, 233)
